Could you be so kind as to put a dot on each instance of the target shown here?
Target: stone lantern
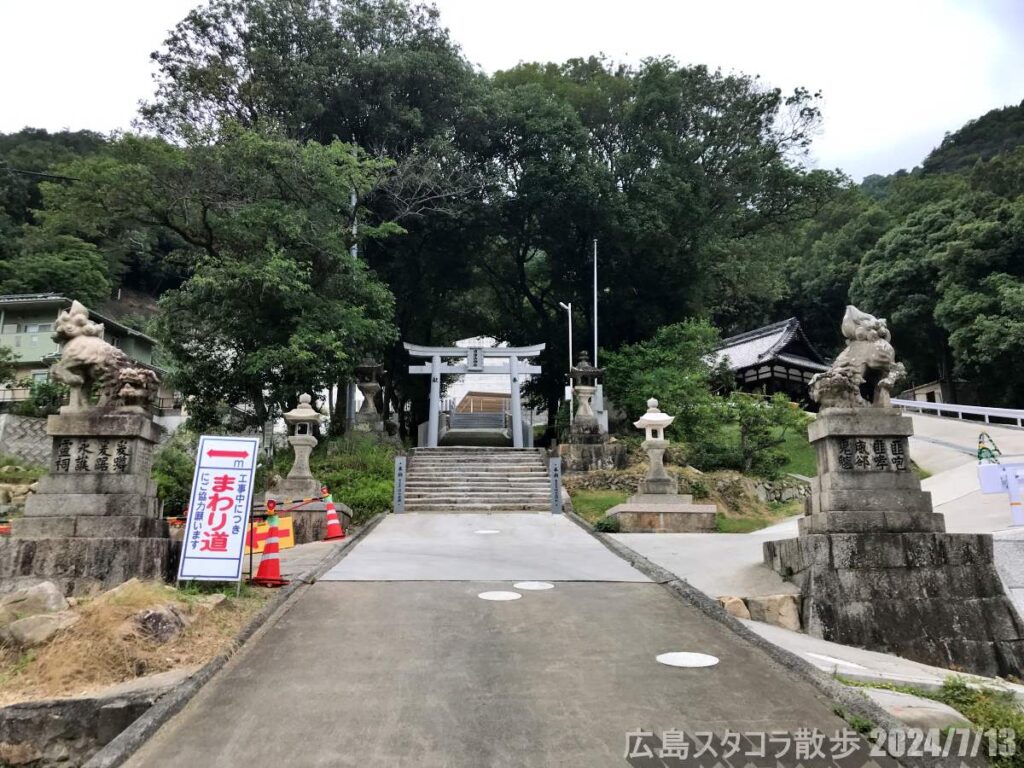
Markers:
(589, 446)
(659, 507)
(654, 422)
(368, 374)
(301, 421)
(585, 379)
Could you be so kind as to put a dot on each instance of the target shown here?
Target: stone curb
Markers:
(125, 744)
(848, 699)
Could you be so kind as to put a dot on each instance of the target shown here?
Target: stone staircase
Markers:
(462, 479)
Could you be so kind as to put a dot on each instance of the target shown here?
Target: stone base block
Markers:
(81, 483)
(1008, 554)
(659, 486)
(878, 500)
(660, 513)
(368, 422)
(97, 527)
(82, 566)
(931, 597)
(585, 457)
(310, 522)
(862, 521)
(294, 488)
(77, 504)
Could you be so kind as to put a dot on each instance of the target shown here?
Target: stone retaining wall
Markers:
(67, 732)
(26, 438)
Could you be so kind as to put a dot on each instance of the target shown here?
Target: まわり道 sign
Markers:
(218, 511)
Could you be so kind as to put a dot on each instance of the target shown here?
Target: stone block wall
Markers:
(25, 437)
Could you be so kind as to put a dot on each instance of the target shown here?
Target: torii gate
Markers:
(473, 360)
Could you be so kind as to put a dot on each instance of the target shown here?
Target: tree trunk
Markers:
(339, 412)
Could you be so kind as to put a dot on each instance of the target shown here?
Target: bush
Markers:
(608, 524)
(699, 489)
(173, 469)
(45, 399)
(360, 473)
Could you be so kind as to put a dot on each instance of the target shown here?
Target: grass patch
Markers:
(592, 505)
(801, 458)
(986, 708)
(747, 523)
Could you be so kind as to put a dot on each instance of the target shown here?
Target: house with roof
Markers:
(775, 358)
(26, 326)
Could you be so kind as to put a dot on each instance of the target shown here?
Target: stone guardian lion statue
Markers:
(89, 363)
(865, 372)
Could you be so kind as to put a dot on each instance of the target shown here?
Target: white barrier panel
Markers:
(218, 510)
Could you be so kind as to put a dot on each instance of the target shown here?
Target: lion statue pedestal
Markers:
(94, 520)
(873, 561)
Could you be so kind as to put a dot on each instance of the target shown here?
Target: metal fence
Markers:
(1003, 416)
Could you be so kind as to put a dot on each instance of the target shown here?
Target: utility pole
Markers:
(595, 303)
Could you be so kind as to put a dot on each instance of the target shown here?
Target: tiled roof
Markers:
(763, 344)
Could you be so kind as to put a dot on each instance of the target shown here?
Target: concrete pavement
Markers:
(480, 547)
(718, 564)
(423, 672)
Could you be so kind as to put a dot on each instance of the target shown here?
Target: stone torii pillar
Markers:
(435, 401)
(515, 402)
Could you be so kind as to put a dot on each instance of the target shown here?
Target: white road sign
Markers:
(218, 511)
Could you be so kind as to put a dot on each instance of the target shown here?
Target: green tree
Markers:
(677, 171)
(48, 262)
(672, 367)
(762, 426)
(382, 74)
(8, 365)
(825, 260)
(274, 304)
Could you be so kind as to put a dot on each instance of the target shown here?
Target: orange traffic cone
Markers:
(269, 572)
(334, 529)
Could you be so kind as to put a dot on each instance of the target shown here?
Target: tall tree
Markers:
(274, 303)
(383, 74)
(674, 169)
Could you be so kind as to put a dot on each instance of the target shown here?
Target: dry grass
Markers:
(97, 652)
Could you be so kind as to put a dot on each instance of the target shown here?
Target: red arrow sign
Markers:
(213, 454)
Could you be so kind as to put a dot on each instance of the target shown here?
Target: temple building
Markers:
(775, 358)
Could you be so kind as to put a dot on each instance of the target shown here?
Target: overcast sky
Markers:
(895, 74)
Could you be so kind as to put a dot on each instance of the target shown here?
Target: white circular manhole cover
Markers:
(535, 586)
(685, 659)
(499, 595)
(488, 530)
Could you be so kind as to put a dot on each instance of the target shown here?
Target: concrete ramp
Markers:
(481, 547)
(948, 449)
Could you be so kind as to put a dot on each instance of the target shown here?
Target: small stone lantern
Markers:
(654, 422)
(585, 379)
(368, 374)
(300, 482)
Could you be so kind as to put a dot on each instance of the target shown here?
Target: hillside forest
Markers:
(314, 181)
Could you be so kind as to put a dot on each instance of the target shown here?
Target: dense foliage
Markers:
(719, 429)
(939, 252)
(477, 201)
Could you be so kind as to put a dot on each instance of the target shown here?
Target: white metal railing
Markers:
(954, 411)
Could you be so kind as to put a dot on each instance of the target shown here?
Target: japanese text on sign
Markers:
(218, 511)
(878, 454)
